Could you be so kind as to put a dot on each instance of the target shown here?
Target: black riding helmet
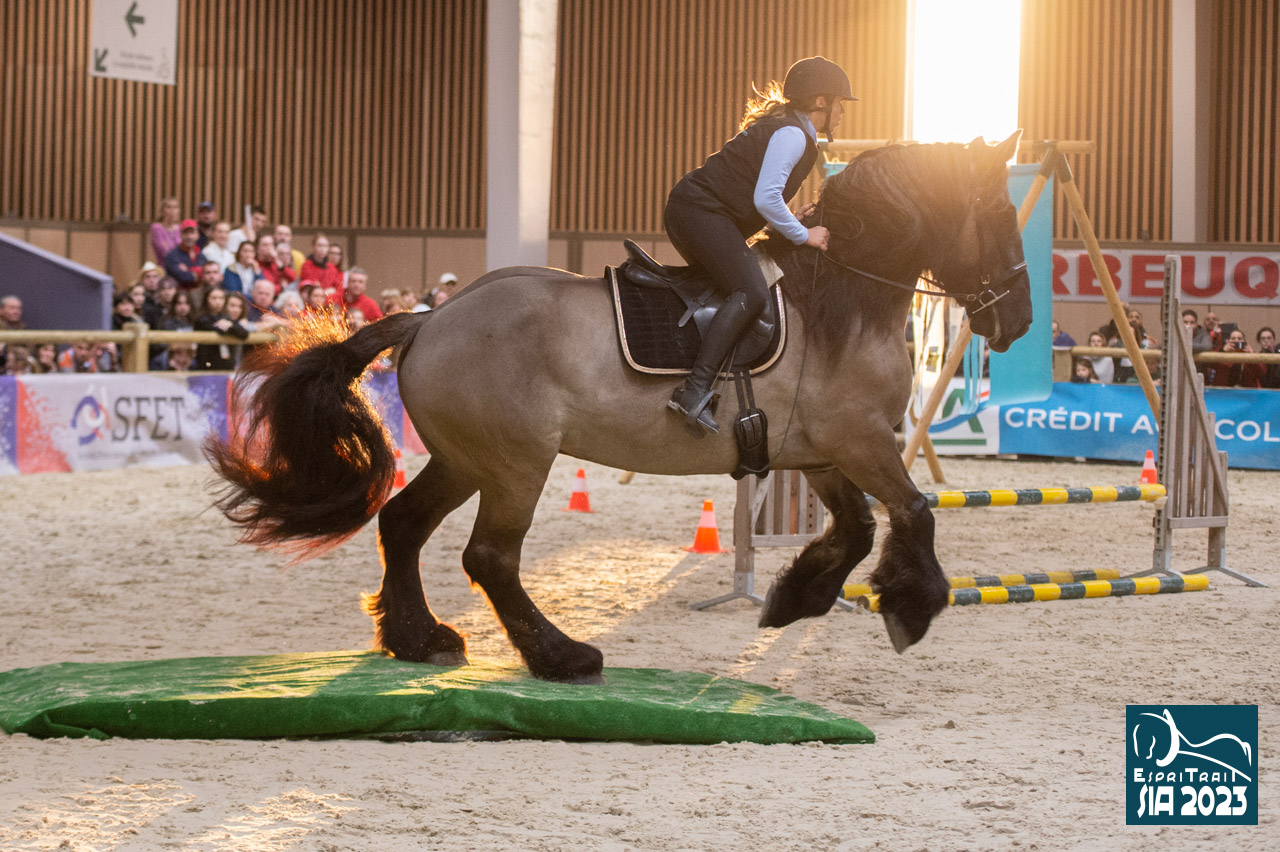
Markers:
(817, 75)
(814, 76)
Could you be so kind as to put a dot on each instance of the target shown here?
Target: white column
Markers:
(521, 72)
(1191, 29)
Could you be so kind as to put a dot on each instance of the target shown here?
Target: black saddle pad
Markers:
(651, 340)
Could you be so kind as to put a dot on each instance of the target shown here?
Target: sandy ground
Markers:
(1004, 729)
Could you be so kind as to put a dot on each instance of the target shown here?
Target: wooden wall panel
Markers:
(647, 89)
(368, 114)
(1245, 146)
(1099, 70)
(327, 112)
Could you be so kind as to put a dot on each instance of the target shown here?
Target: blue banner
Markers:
(1025, 372)
(1114, 422)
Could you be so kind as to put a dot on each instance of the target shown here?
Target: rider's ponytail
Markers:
(769, 102)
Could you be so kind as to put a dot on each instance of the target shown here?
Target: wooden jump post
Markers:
(1188, 461)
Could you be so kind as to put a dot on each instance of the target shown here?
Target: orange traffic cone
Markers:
(1148, 469)
(578, 500)
(401, 480)
(707, 538)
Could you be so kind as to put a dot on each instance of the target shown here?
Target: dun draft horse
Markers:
(525, 364)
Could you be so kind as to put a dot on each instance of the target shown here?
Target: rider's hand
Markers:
(806, 210)
(818, 237)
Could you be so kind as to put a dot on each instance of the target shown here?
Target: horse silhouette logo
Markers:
(1177, 740)
(1192, 764)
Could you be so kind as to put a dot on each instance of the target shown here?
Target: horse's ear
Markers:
(1006, 149)
(978, 142)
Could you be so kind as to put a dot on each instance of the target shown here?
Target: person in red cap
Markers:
(184, 262)
(740, 188)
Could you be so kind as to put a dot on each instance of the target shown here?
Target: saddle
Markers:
(663, 311)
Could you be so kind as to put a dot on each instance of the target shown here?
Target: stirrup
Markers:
(698, 414)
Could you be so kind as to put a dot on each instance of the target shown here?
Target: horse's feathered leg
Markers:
(810, 585)
(403, 622)
(910, 581)
(492, 561)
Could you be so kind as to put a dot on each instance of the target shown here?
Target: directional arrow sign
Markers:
(134, 40)
(131, 17)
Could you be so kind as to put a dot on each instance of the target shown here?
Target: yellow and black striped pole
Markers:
(1063, 591)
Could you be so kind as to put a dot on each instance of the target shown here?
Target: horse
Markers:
(525, 364)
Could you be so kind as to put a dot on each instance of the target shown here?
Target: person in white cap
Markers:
(443, 290)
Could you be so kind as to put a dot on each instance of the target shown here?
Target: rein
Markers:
(985, 297)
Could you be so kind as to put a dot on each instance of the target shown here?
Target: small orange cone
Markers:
(1148, 469)
(707, 538)
(578, 500)
(401, 480)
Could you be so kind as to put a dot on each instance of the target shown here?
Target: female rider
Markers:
(748, 182)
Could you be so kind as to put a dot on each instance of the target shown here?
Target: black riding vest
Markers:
(726, 182)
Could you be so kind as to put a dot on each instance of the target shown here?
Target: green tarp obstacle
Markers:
(367, 694)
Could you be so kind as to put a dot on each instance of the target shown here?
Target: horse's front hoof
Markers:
(900, 635)
(769, 614)
(579, 663)
(785, 604)
(449, 659)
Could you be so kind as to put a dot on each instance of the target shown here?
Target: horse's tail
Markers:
(315, 462)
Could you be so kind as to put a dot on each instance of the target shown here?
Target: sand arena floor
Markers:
(1004, 729)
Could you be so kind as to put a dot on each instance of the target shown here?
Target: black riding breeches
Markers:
(712, 243)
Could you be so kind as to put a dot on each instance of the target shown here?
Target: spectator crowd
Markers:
(208, 276)
(1209, 335)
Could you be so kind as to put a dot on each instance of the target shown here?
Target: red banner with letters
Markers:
(1208, 277)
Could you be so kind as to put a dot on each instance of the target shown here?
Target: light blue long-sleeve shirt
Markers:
(786, 146)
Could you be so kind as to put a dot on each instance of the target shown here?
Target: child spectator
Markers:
(124, 312)
(1104, 366)
(180, 356)
(45, 359)
(17, 360)
(180, 316)
(213, 317)
(1084, 373)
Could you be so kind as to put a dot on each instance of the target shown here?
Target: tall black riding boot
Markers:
(693, 396)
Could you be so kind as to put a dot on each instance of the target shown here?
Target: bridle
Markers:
(975, 302)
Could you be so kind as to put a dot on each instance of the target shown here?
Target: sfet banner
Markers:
(1215, 277)
(88, 421)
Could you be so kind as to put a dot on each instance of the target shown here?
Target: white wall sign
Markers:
(134, 40)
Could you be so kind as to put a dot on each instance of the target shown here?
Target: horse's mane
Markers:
(886, 210)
